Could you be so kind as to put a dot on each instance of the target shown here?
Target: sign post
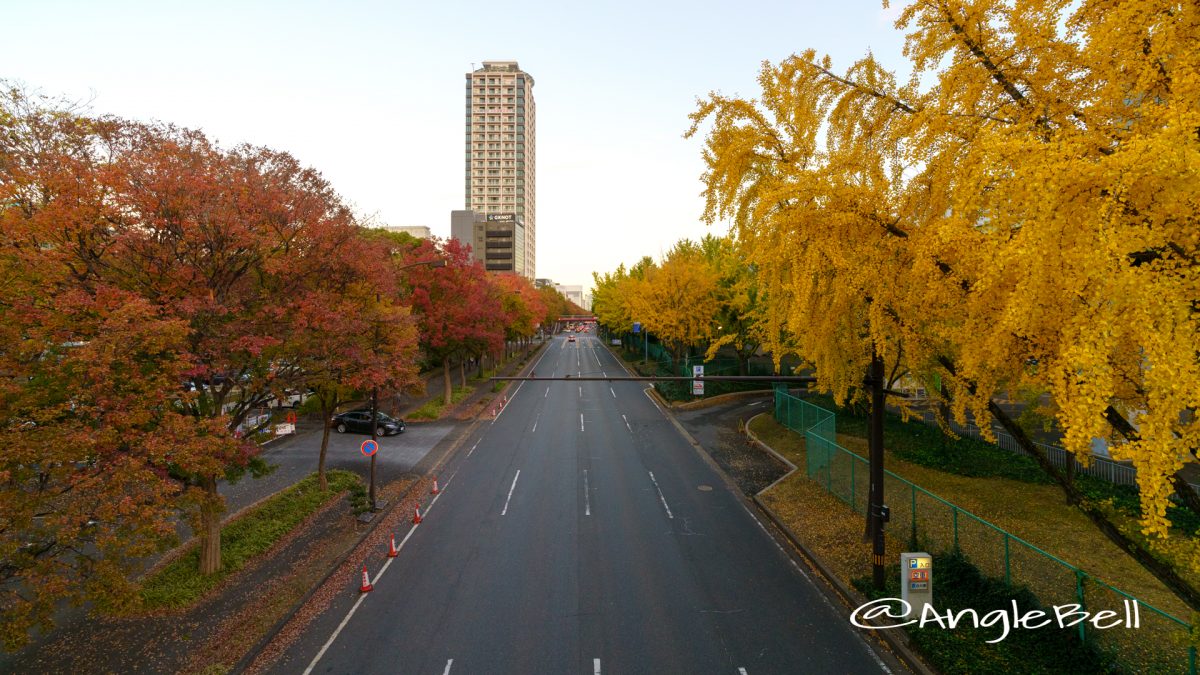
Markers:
(916, 582)
(698, 385)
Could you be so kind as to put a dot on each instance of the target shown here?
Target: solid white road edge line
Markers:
(374, 581)
(660, 495)
(510, 491)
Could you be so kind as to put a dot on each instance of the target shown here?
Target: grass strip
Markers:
(1034, 512)
(434, 407)
(180, 583)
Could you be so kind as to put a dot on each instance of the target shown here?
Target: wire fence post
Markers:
(954, 510)
(1007, 568)
(1079, 575)
(828, 468)
(853, 498)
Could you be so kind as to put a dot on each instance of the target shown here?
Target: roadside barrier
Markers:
(930, 523)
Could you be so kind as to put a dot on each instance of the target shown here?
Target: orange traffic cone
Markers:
(417, 515)
(392, 552)
(366, 583)
(503, 401)
(435, 490)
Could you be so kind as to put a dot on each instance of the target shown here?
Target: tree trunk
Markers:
(479, 363)
(1186, 494)
(462, 371)
(449, 388)
(328, 422)
(210, 526)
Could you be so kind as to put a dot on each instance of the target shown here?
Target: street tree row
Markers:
(1020, 211)
(155, 289)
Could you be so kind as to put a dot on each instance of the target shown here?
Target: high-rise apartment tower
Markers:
(501, 175)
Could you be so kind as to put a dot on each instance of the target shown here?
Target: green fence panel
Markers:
(1161, 644)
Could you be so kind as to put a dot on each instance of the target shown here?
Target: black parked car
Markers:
(360, 421)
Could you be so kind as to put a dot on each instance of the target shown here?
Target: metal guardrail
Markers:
(1100, 467)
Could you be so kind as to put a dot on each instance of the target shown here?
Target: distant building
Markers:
(542, 283)
(572, 293)
(418, 231)
(496, 239)
(500, 169)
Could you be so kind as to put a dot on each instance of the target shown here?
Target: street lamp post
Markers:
(437, 262)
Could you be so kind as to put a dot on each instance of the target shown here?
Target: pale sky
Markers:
(371, 93)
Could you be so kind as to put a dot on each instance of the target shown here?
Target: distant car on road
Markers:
(360, 421)
(571, 338)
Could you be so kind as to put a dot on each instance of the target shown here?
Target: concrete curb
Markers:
(719, 399)
(249, 657)
(851, 597)
(901, 651)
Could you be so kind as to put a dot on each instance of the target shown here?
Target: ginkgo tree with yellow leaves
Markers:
(1019, 210)
(699, 298)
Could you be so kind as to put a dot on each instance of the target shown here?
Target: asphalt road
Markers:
(579, 532)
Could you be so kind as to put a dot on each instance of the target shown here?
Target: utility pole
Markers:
(877, 512)
(374, 426)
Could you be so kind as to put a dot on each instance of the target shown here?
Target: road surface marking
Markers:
(581, 391)
(610, 390)
(597, 357)
(741, 671)
(374, 581)
(535, 421)
(660, 496)
(627, 423)
(581, 421)
(545, 395)
(595, 666)
(510, 491)
(473, 448)
(451, 662)
(587, 500)
(604, 373)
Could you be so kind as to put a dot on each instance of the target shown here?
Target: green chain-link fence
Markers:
(665, 363)
(930, 523)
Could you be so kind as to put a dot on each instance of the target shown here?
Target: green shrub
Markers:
(959, 585)
(927, 445)
(180, 583)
